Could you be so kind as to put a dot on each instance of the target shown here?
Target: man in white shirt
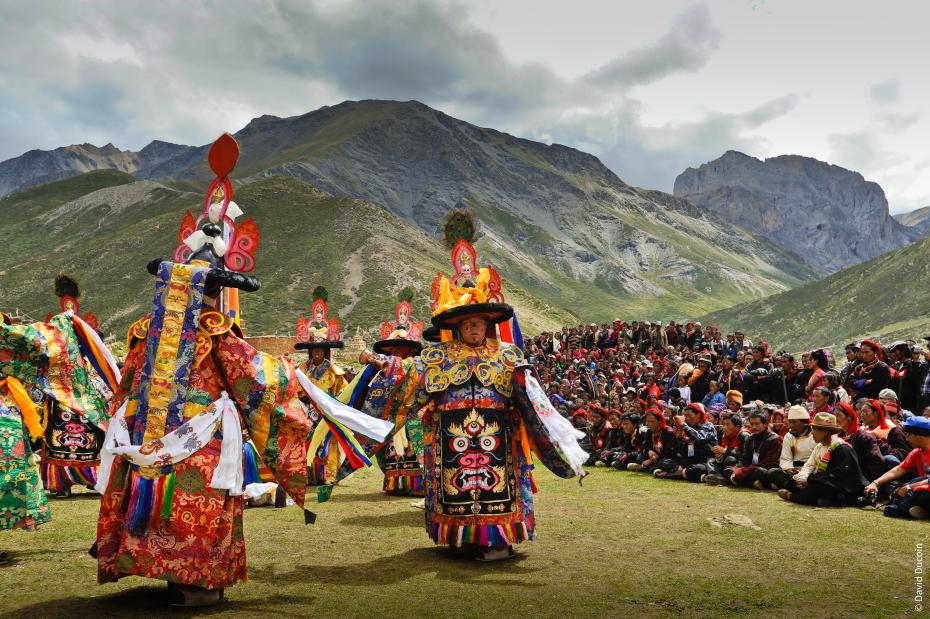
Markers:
(796, 448)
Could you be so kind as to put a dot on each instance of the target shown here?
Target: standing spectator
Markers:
(909, 376)
(730, 378)
(700, 379)
(818, 364)
(872, 374)
(730, 347)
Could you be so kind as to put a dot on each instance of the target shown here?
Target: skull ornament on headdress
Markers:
(402, 336)
(471, 290)
(214, 237)
(318, 331)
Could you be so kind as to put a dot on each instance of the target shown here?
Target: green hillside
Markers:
(887, 298)
(103, 227)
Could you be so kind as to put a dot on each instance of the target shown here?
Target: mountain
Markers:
(43, 166)
(918, 221)
(104, 227)
(885, 298)
(554, 220)
(829, 216)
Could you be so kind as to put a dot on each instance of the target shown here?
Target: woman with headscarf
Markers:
(894, 443)
(872, 374)
(866, 445)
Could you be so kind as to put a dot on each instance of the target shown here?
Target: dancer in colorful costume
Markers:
(23, 504)
(401, 457)
(489, 415)
(172, 465)
(55, 357)
(319, 335)
(71, 443)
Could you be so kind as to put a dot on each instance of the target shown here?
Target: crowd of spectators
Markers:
(681, 401)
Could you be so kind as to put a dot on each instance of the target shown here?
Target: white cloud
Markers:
(650, 88)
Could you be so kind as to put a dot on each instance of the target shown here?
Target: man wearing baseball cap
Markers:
(913, 498)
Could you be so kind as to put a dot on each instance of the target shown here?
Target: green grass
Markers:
(621, 544)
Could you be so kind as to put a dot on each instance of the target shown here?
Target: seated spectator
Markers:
(893, 406)
(866, 445)
(700, 379)
(657, 443)
(835, 383)
(614, 439)
(796, 448)
(714, 396)
(694, 436)
(729, 451)
(684, 375)
(831, 476)
(734, 400)
(822, 399)
(913, 498)
(632, 437)
(600, 432)
(818, 364)
(761, 454)
(894, 443)
(580, 421)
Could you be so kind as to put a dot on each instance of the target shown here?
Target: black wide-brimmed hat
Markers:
(384, 346)
(494, 313)
(324, 344)
(432, 334)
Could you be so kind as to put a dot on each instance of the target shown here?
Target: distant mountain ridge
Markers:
(918, 221)
(565, 228)
(886, 298)
(830, 217)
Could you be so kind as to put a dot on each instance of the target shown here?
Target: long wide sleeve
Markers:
(266, 391)
(49, 356)
(565, 460)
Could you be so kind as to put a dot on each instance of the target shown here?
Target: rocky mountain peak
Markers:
(829, 216)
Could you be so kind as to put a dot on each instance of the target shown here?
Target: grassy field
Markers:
(622, 543)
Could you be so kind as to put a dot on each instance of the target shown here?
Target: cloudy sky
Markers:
(649, 87)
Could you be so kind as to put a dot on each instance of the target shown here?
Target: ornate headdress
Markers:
(214, 237)
(404, 332)
(318, 331)
(470, 291)
(68, 293)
